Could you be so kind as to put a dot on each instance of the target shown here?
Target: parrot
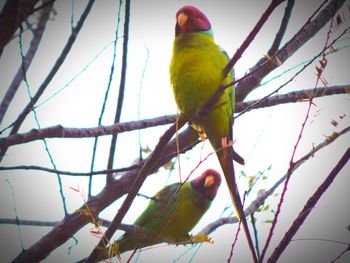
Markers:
(196, 72)
(172, 213)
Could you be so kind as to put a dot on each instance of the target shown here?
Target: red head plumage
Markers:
(191, 19)
(207, 183)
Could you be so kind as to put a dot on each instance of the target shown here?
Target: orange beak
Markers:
(182, 19)
(209, 181)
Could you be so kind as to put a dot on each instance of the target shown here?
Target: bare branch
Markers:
(55, 171)
(102, 222)
(121, 89)
(249, 39)
(282, 30)
(37, 35)
(103, 108)
(62, 132)
(265, 65)
(310, 204)
(75, 221)
(295, 96)
(12, 15)
(146, 169)
(54, 70)
(263, 196)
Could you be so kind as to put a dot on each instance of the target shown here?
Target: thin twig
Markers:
(106, 95)
(283, 27)
(27, 60)
(118, 112)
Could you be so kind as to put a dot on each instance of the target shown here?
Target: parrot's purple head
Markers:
(207, 183)
(191, 19)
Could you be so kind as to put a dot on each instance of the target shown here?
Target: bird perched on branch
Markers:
(171, 213)
(196, 73)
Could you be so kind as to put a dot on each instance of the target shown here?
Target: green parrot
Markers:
(196, 72)
(173, 212)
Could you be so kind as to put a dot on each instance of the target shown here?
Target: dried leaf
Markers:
(339, 20)
(84, 211)
(146, 150)
(200, 238)
(267, 207)
(319, 71)
(169, 165)
(113, 250)
(74, 189)
(269, 221)
(251, 180)
(95, 232)
(334, 123)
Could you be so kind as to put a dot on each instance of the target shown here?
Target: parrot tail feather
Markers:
(236, 157)
(225, 156)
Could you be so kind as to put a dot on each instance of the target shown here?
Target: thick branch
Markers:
(12, 16)
(146, 169)
(37, 35)
(75, 221)
(62, 132)
(311, 203)
(52, 73)
(266, 65)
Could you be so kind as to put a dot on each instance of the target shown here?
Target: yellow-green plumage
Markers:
(196, 72)
(173, 212)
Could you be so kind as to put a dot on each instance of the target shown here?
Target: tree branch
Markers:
(102, 222)
(54, 70)
(283, 27)
(62, 132)
(121, 90)
(75, 221)
(12, 15)
(265, 65)
(59, 131)
(253, 33)
(310, 204)
(37, 35)
(146, 169)
(262, 197)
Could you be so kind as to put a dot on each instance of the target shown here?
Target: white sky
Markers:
(264, 137)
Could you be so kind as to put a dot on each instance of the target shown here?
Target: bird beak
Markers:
(182, 19)
(209, 181)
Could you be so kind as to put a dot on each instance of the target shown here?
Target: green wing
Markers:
(169, 216)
